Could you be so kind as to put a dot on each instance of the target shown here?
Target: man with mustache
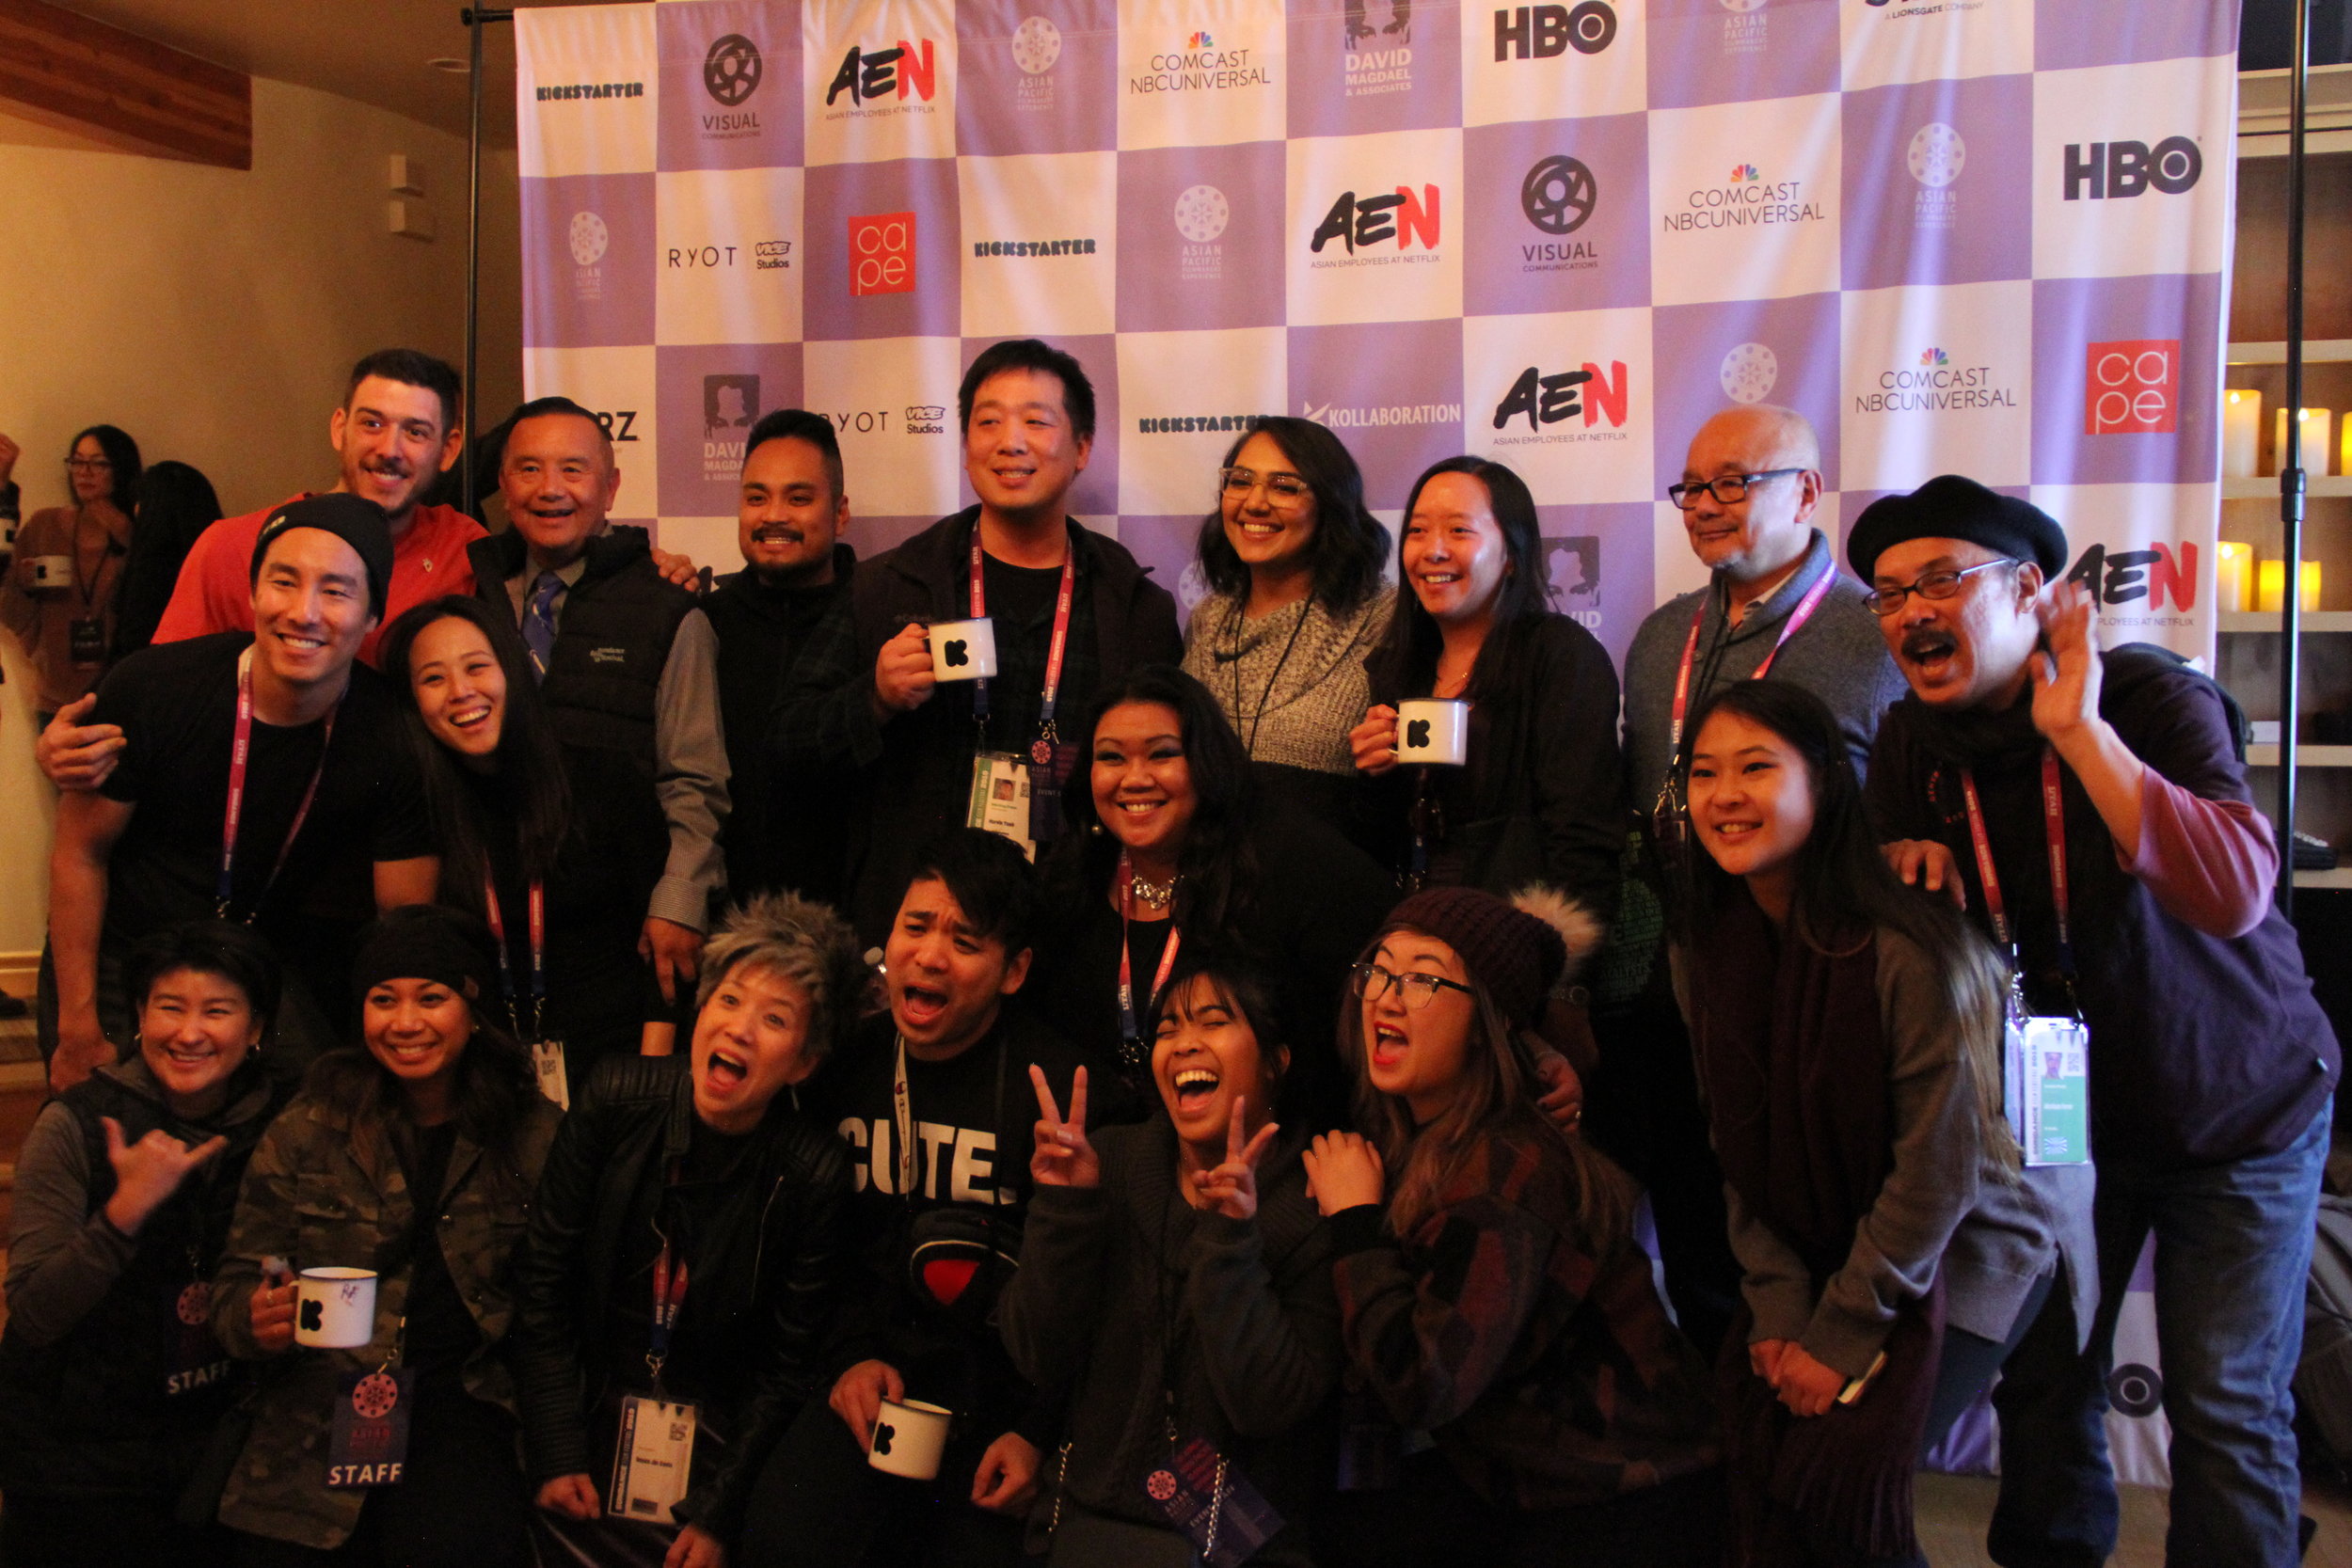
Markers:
(785, 828)
(2090, 810)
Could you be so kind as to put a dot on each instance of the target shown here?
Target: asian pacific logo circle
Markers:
(589, 239)
(1749, 372)
(1036, 46)
(1743, 5)
(1201, 214)
(1937, 155)
(1558, 194)
(732, 69)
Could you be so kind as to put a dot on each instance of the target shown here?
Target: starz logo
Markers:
(1744, 174)
(1933, 356)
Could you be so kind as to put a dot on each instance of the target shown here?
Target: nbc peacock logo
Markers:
(1201, 41)
(1744, 174)
(1932, 358)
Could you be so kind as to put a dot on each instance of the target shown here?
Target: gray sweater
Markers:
(1292, 701)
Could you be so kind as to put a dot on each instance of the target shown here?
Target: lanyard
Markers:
(1042, 751)
(1788, 628)
(669, 1294)
(2054, 833)
(538, 955)
(902, 1114)
(240, 750)
(1130, 1027)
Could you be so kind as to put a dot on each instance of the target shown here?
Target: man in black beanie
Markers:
(2091, 812)
(264, 779)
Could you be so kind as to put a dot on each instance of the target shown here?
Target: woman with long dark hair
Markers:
(65, 619)
(530, 835)
(1171, 845)
(1294, 564)
(1492, 1293)
(175, 504)
(1849, 1034)
(414, 1158)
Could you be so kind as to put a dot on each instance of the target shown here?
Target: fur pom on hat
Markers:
(1518, 950)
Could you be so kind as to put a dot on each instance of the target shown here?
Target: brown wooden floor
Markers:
(1954, 1510)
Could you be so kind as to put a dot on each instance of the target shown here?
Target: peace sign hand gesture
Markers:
(1231, 1189)
(1060, 1155)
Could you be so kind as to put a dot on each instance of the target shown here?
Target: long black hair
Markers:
(123, 454)
(1406, 659)
(1238, 980)
(1216, 870)
(530, 768)
(1350, 547)
(175, 504)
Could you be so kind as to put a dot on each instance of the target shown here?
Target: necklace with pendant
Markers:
(1154, 894)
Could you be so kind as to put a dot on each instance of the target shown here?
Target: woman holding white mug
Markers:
(59, 595)
(442, 1101)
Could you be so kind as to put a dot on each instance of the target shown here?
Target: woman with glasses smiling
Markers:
(1296, 564)
(65, 618)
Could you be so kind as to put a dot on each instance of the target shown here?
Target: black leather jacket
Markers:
(765, 1264)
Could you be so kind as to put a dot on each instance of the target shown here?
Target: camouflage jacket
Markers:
(319, 1195)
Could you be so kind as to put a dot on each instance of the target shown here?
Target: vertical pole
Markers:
(2291, 484)
(473, 256)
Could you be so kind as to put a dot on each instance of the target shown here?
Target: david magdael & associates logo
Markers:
(899, 79)
(1745, 198)
(1596, 397)
(1377, 37)
(730, 408)
(1360, 224)
(1933, 384)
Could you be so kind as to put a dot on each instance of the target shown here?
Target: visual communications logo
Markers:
(1379, 48)
(1745, 199)
(1201, 215)
(2111, 170)
(881, 254)
(1200, 66)
(1545, 32)
(1933, 384)
(589, 240)
(731, 74)
(1557, 197)
(903, 71)
(730, 408)
(2132, 387)
(1749, 372)
(1589, 392)
(1358, 225)
(1935, 158)
(1340, 417)
(2126, 577)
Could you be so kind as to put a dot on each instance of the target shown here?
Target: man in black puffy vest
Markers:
(627, 663)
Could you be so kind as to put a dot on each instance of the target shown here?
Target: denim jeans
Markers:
(2233, 1242)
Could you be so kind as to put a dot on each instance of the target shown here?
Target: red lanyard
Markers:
(1788, 628)
(2054, 833)
(669, 1294)
(538, 954)
(1042, 750)
(240, 751)
(1129, 1027)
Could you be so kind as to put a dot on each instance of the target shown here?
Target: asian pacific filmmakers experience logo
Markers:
(1749, 372)
(1557, 197)
(2132, 387)
(1036, 46)
(1201, 215)
(589, 240)
(1746, 29)
(1935, 158)
(881, 254)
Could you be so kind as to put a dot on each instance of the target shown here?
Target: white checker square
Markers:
(1893, 45)
(879, 392)
(1937, 380)
(1376, 228)
(2119, 151)
(1745, 200)
(879, 80)
(1563, 399)
(1172, 386)
(711, 542)
(1544, 61)
(1202, 74)
(1041, 245)
(599, 71)
(617, 386)
(728, 256)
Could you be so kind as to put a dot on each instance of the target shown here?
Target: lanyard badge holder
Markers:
(240, 754)
(547, 1051)
(652, 1459)
(367, 1439)
(2045, 1059)
(1019, 796)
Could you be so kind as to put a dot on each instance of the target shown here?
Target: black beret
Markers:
(355, 520)
(1952, 507)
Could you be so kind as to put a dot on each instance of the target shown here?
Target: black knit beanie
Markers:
(1516, 956)
(353, 519)
(426, 942)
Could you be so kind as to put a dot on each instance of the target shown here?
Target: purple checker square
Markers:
(1731, 51)
(1356, 67)
(607, 299)
(1596, 567)
(1096, 492)
(709, 395)
(1227, 270)
(837, 193)
(2069, 33)
(1070, 106)
(1975, 228)
(1166, 546)
(1513, 266)
(1356, 378)
(1697, 348)
(872, 536)
(1852, 503)
(2071, 313)
(730, 85)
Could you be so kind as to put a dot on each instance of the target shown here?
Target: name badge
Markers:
(653, 1459)
(547, 1060)
(86, 641)
(367, 1444)
(2045, 1083)
(1000, 798)
(1226, 1519)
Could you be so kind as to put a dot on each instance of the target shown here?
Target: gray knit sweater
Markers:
(1292, 700)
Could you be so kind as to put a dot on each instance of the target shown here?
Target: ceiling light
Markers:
(454, 66)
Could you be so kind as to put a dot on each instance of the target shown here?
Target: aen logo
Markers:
(1557, 195)
(732, 69)
(1549, 399)
(881, 254)
(1402, 217)
(1543, 32)
(2132, 387)
(882, 72)
(2111, 169)
(2125, 577)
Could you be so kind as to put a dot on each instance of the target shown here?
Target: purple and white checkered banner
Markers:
(1987, 236)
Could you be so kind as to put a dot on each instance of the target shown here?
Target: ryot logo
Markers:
(2132, 387)
(881, 254)
(2113, 170)
(1542, 31)
(1380, 217)
(1549, 399)
(882, 72)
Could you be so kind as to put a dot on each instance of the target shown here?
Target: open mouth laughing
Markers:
(1196, 1086)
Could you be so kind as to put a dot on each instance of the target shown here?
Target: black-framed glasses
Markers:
(1371, 982)
(1935, 585)
(1282, 487)
(89, 465)
(1727, 489)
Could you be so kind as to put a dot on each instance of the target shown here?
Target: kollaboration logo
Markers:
(2113, 170)
(1749, 372)
(730, 408)
(1557, 197)
(881, 254)
(1200, 66)
(589, 239)
(1404, 217)
(1340, 418)
(1745, 198)
(1548, 400)
(1379, 53)
(731, 74)
(1193, 424)
(1036, 46)
(1935, 385)
(1545, 32)
(1936, 156)
(903, 71)
(1201, 214)
(590, 89)
(2126, 577)
(1032, 247)
(1747, 30)
(922, 419)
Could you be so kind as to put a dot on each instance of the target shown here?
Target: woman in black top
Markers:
(1172, 845)
(513, 811)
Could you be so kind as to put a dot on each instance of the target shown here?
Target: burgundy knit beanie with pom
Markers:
(1516, 956)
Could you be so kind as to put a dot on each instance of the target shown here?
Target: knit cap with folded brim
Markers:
(353, 519)
(427, 941)
(1517, 949)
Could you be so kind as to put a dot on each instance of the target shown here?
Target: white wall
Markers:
(214, 314)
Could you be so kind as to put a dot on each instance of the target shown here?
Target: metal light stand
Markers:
(474, 21)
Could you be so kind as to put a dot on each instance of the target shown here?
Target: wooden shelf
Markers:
(2339, 878)
(2258, 621)
(2265, 487)
(2305, 757)
(2317, 351)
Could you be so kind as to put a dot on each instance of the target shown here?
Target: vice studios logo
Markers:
(732, 72)
(1557, 198)
(900, 79)
(1380, 47)
(1379, 231)
(1589, 401)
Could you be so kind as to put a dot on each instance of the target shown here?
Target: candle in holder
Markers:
(2234, 576)
(2241, 433)
(2314, 441)
(2273, 592)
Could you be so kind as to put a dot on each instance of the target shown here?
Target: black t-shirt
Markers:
(177, 704)
(440, 1333)
(1021, 601)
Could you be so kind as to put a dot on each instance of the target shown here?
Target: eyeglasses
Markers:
(1371, 982)
(1282, 487)
(1935, 585)
(1727, 489)
(89, 464)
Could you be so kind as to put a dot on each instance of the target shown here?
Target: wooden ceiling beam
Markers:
(68, 72)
